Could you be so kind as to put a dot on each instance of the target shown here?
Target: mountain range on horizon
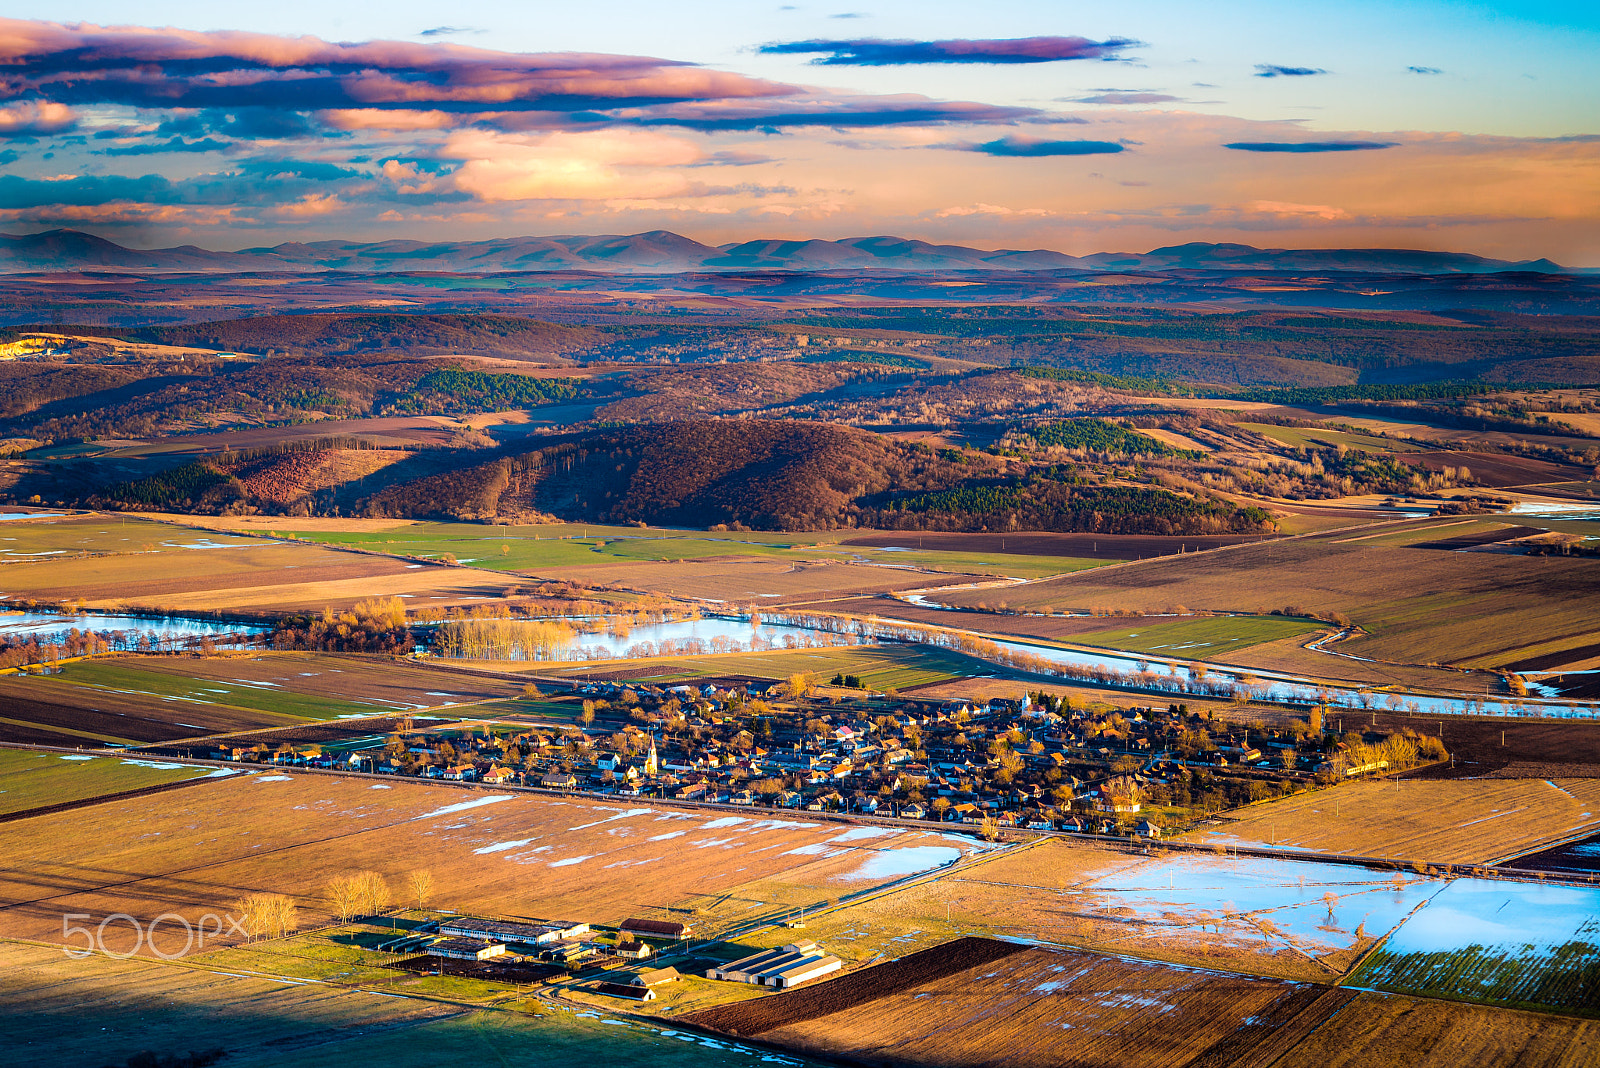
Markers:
(662, 251)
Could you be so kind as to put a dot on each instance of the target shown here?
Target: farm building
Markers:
(537, 933)
(466, 949)
(565, 952)
(625, 990)
(558, 780)
(648, 977)
(655, 928)
(796, 963)
(633, 950)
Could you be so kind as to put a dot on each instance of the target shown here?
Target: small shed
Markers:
(648, 977)
(655, 928)
(466, 949)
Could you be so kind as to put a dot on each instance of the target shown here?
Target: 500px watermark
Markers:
(120, 924)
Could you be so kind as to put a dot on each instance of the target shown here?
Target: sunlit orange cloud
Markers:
(310, 205)
(353, 119)
(26, 117)
(631, 164)
(127, 213)
(183, 68)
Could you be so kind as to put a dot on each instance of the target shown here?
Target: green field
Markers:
(880, 667)
(33, 780)
(1318, 438)
(1201, 638)
(120, 677)
(41, 538)
(537, 548)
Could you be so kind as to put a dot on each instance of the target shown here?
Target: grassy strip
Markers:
(1201, 638)
(101, 675)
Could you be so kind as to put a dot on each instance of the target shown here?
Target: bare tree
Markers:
(1331, 900)
(267, 915)
(374, 893)
(421, 882)
(344, 893)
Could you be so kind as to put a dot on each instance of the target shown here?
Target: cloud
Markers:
(572, 166)
(1012, 146)
(81, 63)
(353, 119)
(176, 144)
(449, 31)
(1273, 70)
(1424, 70)
(1313, 211)
(833, 111)
(876, 52)
(989, 209)
(310, 205)
(33, 118)
(259, 87)
(1309, 146)
(1125, 98)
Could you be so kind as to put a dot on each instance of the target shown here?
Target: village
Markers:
(1042, 763)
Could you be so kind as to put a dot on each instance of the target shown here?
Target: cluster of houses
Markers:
(1038, 762)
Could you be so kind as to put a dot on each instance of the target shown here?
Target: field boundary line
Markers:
(124, 795)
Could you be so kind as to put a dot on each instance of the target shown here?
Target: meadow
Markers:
(324, 681)
(106, 533)
(195, 571)
(1461, 821)
(43, 710)
(124, 676)
(879, 667)
(32, 780)
(1319, 438)
(1202, 639)
(541, 549)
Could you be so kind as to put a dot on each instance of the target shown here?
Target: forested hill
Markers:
(796, 476)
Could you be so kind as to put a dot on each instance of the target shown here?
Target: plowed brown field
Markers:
(972, 1003)
(1027, 1006)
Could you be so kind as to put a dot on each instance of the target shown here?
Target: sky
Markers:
(1463, 126)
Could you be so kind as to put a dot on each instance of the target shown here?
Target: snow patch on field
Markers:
(670, 834)
(501, 847)
(858, 833)
(726, 821)
(77, 758)
(616, 816)
(273, 778)
(463, 806)
(888, 863)
(572, 860)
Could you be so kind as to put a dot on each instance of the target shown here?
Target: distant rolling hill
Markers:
(661, 251)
